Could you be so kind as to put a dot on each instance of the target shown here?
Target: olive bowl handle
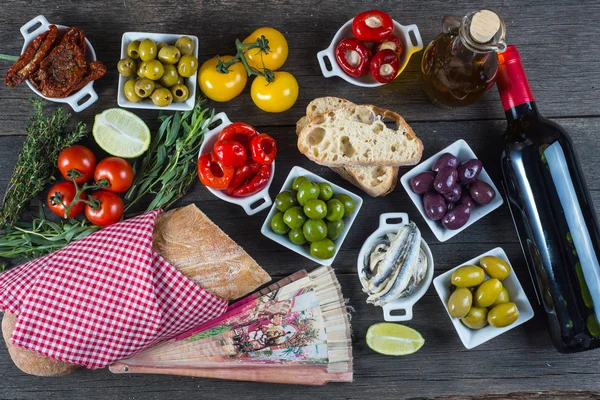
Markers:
(388, 308)
(87, 90)
(384, 218)
(29, 36)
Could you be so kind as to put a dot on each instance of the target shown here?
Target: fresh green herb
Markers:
(47, 136)
(6, 57)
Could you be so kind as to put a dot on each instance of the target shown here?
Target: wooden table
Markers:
(560, 52)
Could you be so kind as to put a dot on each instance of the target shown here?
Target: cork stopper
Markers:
(484, 26)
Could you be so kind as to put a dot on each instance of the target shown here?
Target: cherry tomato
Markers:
(61, 196)
(372, 26)
(79, 158)
(230, 153)
(117, 172)
(277, 96)
(107, 208)
(353, 57)
(240, 132)
(278, 49)
(218, 86)
(384, 66)
(214, 174)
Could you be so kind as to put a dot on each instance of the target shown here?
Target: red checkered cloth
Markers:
(103, 298)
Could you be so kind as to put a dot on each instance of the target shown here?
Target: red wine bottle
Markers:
(552, 211)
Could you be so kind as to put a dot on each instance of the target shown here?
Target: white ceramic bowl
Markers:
(305, 249)
(81, 99)
(402, 305)
(251, 204)
(461, 150)
(403, 33)
(147, 104)
(472, 338)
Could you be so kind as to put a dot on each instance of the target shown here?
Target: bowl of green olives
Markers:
(483, 297)
(158, 71)
(311, 216)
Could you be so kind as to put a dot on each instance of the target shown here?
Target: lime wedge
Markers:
(394, 339)
(121, 133)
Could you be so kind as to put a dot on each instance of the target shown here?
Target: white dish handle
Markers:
(224, 122)
(415, 30)
(321, 56)
(28, 36)
(384, 218)
(87, 90)
(388, 308)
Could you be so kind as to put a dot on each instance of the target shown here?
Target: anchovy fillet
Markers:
(389, 264)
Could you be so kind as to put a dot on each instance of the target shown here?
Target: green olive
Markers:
(503, 297)
(307, 191)
(169, 55)
(144, 87)
(299, 181)
(154, 70)
(495, 267)
(170, 76)
(460, 302)
(326, 191)
(147, 50)
(294, 217)
(185, 45)
(335, 229)
(162, 97)
(277, 224)
(297, 236)
(335, 210)
(141, 69)
(348, 203)
(476, 318)
(315, 209)
(188, 65)
(133, 49)
(487, 293)
(503, 315)
(160, 46)
(180, 80)
(285, 200)
(467, 276)
(180, 93)
(129, 91)
(314, 230)
(126, 67)
(322, 249)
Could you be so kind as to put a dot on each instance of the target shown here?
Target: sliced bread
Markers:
(357, 135)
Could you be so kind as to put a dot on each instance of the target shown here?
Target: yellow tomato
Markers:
(277, 96)
(218, 86)
(278, 49)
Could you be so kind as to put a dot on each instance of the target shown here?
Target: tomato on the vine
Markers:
(117, 172)
(60, 198)
(104, 208)
(278, 49)
(78, 158)
(277, 96)
(218, 86)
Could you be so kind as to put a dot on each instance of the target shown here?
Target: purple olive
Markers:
(445, 160)
(450, 206)
(481, 192)
(466, 199)
(434, 205)
(457, 217)
(422, 182)
(445, 179)
(469, 171)
(454, 194)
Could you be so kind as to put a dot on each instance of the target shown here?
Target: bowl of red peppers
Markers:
(237, 163)
(370, 50)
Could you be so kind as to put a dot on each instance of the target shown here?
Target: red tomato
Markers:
(79, 158)
(230, 153)
(106, 209)
(117, 172)
(61, 196)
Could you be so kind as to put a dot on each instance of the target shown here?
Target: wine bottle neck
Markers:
(512, 82)
(522, 112)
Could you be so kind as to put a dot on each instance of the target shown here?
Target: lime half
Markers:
(121, 133)
(394, 339)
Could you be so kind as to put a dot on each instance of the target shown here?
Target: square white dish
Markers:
(147, 104)
(304, 250)
(472, 338)
(461, 150)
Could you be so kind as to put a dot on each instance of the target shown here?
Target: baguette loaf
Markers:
(357, 135)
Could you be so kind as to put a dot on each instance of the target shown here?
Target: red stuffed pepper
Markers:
(372, 26)
(213, 173)
(384, 66)
(230, 152)
(392, 43)
(353, 57)
(263, 149)
(240, 132)
(242, 174)
(258, 182)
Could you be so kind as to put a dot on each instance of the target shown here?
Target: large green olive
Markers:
(180, 93)
(170, 76)
(144, 87)
(126, 67)
(129, 91)
(322, 249)
(503, 315)
(160, 45)
(187, 66)
(299, 181)
(169, 55)
(162, 97)
(297, 236)
(335, 229)
(185, 45)
(487, 293)
(348, 203)
(460, 302)
(503, 297)
(475, 318)
(326, 192)
(147, 50)
(285, 200)
(315, 209)
(495, 267)
(154, 70)
(141, 69)
(467, 276)
(335, 210)
(277, 224)
(133, 49)
(307, 191)
(314, 230)
(294, 217)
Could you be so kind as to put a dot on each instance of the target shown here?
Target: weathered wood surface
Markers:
(556, 42)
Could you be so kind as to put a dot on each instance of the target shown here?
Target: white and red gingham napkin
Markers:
(103, 298)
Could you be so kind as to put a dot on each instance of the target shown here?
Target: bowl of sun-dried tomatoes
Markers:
(58, 63)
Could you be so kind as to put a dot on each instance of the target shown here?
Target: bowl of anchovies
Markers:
(395, 266)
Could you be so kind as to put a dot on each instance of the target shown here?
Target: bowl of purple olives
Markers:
(452, 190)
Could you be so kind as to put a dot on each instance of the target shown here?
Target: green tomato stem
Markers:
(262, 43)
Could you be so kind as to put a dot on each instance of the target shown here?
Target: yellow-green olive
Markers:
(180, 80)
(144, 87)
(129, 91)
(133, 49)
(502, 297)
(460, 302)
(495, 267)
(503, 315)
(487, 293)
(188, 65)
(180, 93)
(141, 69)
(468, 276)
(169, 55)
(154, 70)
(170, 76)
(126, 67)
(476, 318)
(160, 46)
(162, 97)
(185, 45)
(147, 50)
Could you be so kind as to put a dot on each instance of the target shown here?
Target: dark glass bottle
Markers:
(552, 211)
